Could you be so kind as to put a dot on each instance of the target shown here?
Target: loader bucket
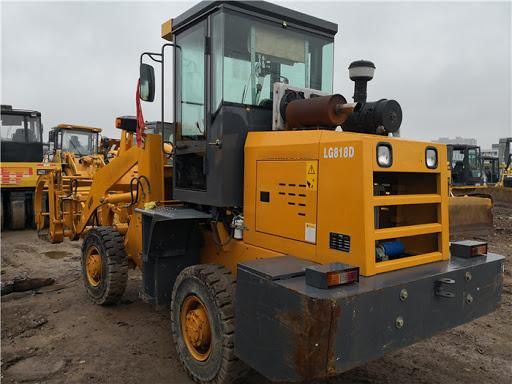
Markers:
(470, 214)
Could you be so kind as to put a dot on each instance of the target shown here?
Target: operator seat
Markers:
(19, 135)
(458, 171)
(75, 145)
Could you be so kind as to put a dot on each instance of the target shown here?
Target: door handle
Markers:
(216, 143)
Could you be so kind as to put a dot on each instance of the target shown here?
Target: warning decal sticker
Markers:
(311, 175)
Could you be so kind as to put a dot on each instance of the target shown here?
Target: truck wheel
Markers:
(104, 265)
(17, 213)
(2, 211)
(203, 324)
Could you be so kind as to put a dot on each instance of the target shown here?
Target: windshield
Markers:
(457, 158)
(21, 128)
(153, 127)
(258, 54)
(79, 142)
(459, 161)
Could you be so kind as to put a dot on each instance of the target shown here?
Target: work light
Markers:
(384, 155)
(431, 157)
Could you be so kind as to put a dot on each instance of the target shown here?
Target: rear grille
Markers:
(407, 209)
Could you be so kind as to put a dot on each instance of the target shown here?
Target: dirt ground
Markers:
(56, 335)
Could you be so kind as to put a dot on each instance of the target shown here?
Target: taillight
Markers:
(468, 248)
(331, 275)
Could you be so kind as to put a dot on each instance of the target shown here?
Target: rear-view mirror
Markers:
(147, 82)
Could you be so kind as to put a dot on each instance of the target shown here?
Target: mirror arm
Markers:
(151, 55)
(159, 58)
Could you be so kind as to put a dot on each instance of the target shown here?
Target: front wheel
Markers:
(104, 265)
(203, 324)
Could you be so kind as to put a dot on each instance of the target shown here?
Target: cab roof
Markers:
(9, 110)
(262, 8)
(78, 128)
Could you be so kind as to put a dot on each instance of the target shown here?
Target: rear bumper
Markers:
(289, 331)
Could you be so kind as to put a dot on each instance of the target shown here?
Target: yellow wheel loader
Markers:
(75, 150)
(279, 242)
(60, 194)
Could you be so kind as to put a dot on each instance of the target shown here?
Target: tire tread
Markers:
(221, 285)
(117, 265)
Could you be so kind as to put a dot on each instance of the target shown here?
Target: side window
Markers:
(192, 88)
(33, 130)
(189, 163)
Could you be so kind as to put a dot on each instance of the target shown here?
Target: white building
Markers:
(456, 140)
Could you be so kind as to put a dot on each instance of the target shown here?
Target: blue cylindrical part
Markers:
(393, 248)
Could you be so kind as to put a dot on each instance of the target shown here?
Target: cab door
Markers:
(191, 122)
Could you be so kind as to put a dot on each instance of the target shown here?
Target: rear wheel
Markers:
(203, 324)
(2, 215)
(17, 213)
(104, 265)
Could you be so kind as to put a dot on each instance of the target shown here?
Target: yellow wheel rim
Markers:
(93, 266)
(195, 328)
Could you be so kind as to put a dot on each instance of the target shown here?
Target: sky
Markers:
(447, 63)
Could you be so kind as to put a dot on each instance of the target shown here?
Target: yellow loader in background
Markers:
(75, 148)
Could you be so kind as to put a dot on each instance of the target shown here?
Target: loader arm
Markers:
(104, 179)
(150, 165)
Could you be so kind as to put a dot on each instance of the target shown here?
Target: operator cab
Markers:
(228, 55)
(21, 132)
(466, 164)
(76, 139)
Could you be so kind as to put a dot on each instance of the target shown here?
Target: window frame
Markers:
(26, 119)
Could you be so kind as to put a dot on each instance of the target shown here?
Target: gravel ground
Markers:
(55, 335)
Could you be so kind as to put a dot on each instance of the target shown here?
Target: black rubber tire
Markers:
(214, 285)
(2, 212)
(17, 213)
(110, 245)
